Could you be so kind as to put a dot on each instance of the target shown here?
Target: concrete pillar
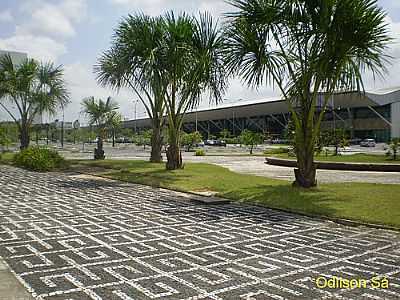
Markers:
(395, 112)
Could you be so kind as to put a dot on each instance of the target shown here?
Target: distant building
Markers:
(59, 124)
(17, 57)
(38, 119)
(374, 114)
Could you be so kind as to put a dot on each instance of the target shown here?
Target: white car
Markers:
(368, 143)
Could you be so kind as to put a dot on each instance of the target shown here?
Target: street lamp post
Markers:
(62, 129)
(196, 119)
(136, 102)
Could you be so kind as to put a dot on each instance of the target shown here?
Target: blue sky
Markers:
(75, 32)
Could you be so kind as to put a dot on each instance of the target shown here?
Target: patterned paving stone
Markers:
(81, 238)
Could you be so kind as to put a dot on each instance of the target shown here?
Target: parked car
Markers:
(215, 143)
(355, 141)
(123, 140)
(201, 144)
(368, 143)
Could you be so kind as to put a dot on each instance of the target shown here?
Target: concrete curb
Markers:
(343, 166)
(11, 288)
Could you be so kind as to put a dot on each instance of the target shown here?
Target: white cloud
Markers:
(81, 83)
(45, 27)
(48, 18)
(38, 47)
(156, 7)
(390, 79)
(48, 21)
(6, 16)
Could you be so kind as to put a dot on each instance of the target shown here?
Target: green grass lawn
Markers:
(356, 158)
(372, 203)
(6, 158)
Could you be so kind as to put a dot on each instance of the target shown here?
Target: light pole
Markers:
(196, 119)
(233, 123)
(136, 102)
(62, 129)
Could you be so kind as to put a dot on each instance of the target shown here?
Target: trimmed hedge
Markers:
(200, 152)
(39, 159)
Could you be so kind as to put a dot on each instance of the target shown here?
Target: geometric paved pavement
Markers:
(72, 238)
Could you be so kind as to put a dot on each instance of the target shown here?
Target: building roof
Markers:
(276, 105)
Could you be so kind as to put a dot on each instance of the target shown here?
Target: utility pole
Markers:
(233, 123)
(196, 119)
(62, 129)
(135, 101)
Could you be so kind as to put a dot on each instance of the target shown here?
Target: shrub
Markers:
(200, 152)
(280, 150)
(39, 159)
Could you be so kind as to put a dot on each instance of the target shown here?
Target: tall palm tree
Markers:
(99, 113)
(308, 49)
(133, 62)
(30, 89)
(193, 65)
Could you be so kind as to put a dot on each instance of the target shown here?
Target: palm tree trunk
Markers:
(156, 143)
(305, 174)
(174, 154)
(113, 138)
(24, 136)
(99, 152)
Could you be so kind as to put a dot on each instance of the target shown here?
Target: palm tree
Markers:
(308, 49)
(114, 123)
(99, 113)
(28, 90)
(133, 62)
(192, 52)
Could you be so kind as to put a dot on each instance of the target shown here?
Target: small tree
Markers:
(99, 113)
(394, 147)
(322, 142)
(33, 88)
(225, 134)
(191, 139)
(144, 138)
(250, 138)
(337, 138)
(4, 139)
(114, 123)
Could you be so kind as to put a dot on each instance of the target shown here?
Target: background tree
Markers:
(338, 138)
(99, 113)
(192, 55)
(144, 138)
(225, 134)
(394, 147)
(33, 88)
(134, 62)
(308, 49)
(191, 139)
(10, 132)
(251, 139)
(114, 124)
(5, 141)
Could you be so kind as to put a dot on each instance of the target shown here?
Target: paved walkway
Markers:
(75, 238)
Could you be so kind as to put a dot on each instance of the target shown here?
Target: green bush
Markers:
(39, 159)
(200, 152)
(280, 150)
(231, 141)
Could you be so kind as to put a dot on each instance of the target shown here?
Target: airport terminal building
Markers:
(373, 114)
